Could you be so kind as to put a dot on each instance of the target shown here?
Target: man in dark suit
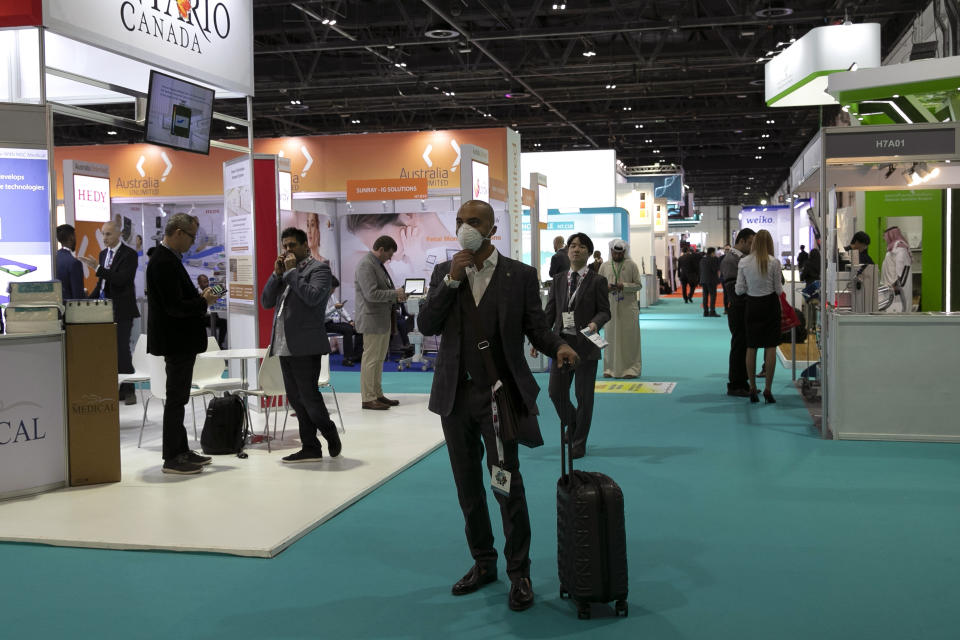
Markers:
(578, 299)
(559, 262)
(687, 267)
(116, 270)
(737, 383)
(298, 289)
(481, 300)
(69, 269)
(176, 331)
(709, 279)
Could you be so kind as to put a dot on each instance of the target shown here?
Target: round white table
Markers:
(236, 354)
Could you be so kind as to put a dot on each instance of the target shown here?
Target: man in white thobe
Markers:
(621, 359)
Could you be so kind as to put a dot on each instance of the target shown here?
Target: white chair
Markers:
(208, 372)
(271, 387)
(140, 373)
(324, 383)
(157, 369)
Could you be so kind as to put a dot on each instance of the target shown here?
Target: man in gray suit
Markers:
(375, 319)
(298, 288)
(483, 301)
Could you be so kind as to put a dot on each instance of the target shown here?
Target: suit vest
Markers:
(487, 323)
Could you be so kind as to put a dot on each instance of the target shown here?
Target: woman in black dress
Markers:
(759, 277)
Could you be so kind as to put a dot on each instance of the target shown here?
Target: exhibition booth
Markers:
(57, 57)
(886, 329)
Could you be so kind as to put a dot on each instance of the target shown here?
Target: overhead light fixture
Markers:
(763, 203)
(111, 132)
(355, 121)
(628, 108)
(611, 86)
(559, 7)
(231, 127)
(440, 34)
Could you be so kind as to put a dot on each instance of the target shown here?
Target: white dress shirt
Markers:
(751, 282)
(479, 278)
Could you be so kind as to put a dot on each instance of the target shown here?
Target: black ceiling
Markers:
(689, 89)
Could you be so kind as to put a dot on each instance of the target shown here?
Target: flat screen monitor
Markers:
(91, 198)
(179, 113)
(415, 286)
(481, 181)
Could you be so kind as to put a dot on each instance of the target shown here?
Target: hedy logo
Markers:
(19, 429)
(180, 23)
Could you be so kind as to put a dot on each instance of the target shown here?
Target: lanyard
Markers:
(616, 272)
(496, 420)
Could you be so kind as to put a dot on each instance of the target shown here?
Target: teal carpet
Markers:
(741, 524)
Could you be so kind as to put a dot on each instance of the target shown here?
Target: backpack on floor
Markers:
(224, 429)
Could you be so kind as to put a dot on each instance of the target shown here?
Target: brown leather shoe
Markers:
(521, 594)
(376, 405)
(388, 401)
(475, 578)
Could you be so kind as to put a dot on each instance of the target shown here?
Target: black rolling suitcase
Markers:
(591, 537)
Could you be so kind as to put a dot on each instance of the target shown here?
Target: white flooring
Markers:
(252, 507)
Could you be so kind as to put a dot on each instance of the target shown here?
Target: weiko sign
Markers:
(210, 40)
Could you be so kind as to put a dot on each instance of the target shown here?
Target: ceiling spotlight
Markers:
(589, 53)
(611, 86)
(439, 34)
(231, 127)
(763, 202)
(355, 121)
(559, 7)
(111, 132)
(628, 108)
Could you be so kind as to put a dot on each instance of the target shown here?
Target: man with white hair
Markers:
(116, 269)
(621, 359)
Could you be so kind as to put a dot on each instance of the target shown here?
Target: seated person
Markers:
(339, 321)
(218, 325)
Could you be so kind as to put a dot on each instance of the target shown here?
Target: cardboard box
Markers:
(46, 292)
(93, 411)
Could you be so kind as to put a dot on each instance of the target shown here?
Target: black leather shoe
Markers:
(521, 594)
(334, 446)
(388, 401)
(347, 362)
(475, 578)
(741, 392)
(578, 451)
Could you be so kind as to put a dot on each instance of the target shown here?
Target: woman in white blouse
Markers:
(759, 277)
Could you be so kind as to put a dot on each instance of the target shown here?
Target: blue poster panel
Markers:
(24, 217)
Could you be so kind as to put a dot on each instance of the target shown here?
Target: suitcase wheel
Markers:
(564, 595)
(621, 608)
(583, 610)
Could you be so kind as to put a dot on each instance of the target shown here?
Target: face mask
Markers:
(469, 238)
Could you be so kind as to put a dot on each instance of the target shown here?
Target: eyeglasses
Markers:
(193, 236)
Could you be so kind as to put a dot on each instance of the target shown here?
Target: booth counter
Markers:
(33, 452)
(891, 375)
(650, 294)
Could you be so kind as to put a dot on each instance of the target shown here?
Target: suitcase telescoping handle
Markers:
(566, 435)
